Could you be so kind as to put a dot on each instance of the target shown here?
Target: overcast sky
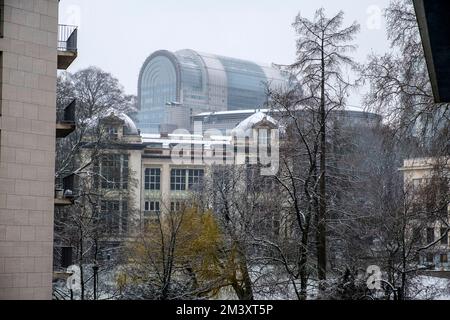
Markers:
(118, 35)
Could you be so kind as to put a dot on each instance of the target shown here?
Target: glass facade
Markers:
(174, 86)
(246, 84)
(158, 87)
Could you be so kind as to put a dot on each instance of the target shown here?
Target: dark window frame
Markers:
(113, 171)
(114, 216)
(178, 180)
(153, 206)
(152, 179)
(195, 177)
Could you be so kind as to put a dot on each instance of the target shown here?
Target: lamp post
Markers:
(95, 269)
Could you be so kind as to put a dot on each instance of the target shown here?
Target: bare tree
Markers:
(400, 88)
(235, 210)
(322, 50)
(84, 225)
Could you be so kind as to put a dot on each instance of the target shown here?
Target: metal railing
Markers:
(64, 187)
(67, 115)
(62, 258)
(67, 38)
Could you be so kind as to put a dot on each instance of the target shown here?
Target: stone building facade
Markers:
(30, 54)
(422, 175)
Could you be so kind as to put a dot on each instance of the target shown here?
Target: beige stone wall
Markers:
(420, 170)
(27, 148)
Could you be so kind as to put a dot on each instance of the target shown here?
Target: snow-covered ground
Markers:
(432, 288)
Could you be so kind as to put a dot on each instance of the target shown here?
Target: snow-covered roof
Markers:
(222, 113)
(129, 124)
(246, 126)
(250, 111)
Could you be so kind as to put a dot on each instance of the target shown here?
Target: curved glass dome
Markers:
(174, 86)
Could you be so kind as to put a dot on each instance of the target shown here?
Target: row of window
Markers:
(113, 215)
(155, 207)
(443, 258)
(112, 173)
(180, 179)
(152, 206)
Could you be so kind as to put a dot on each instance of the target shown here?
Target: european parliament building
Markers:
(174, 86)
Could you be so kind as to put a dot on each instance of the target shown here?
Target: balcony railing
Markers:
(67, 115)
(65, 120)
(67, 38)
(67, 46)
(64, 190)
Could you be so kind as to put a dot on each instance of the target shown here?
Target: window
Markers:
(113, 172)
(444, 236)
(114, 216)
(417, 184)
(430, 258)
(178, 180)
(175, 206)
(195, 178)
(66, 257)
(152, 179)
(444, 258)
(112, 131)
(430, 235)
(417, 235)
(124, 217)
(182, 179)
(152, 206)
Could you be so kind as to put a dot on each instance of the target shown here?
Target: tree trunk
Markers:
(303, 268)
(81, 264)
(243, 290)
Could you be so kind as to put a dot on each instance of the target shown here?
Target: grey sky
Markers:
(117, 36)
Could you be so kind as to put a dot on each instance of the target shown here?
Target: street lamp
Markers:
(95, 269)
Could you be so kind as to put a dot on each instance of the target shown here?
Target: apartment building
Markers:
(140, 175)
(32, 47)
(160, 183)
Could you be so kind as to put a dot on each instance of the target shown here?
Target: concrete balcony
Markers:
(64, 191)
(65, 123)
(67, 46)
